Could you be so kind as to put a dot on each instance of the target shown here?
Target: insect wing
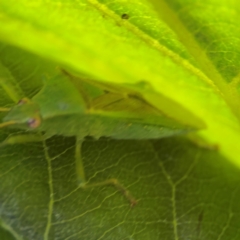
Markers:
(122, 113)
(120, 102)
(59, 97)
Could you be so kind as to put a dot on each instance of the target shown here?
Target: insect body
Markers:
(63, 108)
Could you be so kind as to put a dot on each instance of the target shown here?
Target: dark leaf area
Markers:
(181, 190)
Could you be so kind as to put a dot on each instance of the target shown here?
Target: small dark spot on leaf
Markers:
(125, 16)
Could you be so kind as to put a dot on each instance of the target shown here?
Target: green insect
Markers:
(70, 106)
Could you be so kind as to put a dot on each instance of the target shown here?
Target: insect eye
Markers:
(33, 122)
(23, 101)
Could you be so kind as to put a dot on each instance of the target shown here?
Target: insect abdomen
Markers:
(98, 126)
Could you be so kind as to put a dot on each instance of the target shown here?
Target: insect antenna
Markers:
(4, 109)
(114, 182)
(5, 124)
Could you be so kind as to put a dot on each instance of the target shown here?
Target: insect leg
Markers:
(21, 138)
(4, 109)
(79, 162)
(114, 182)
(202, 143)
(5, 124)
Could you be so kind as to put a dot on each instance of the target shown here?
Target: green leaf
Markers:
(6, 235)
(90, 34)
(181, 191)
(185, 63)
(180, 188)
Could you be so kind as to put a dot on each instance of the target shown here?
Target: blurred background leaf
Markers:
(6, 235)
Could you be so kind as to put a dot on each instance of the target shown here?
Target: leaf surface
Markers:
(180, 188)
(6, 235)
(183, 191)
(90, 34)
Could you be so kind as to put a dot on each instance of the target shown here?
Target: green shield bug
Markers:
(69, 106)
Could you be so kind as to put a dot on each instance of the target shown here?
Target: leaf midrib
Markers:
(152, 42)
(51, 199)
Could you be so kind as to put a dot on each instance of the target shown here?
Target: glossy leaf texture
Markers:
(92, 36)
(182, 56)
(182, 191)
(181, 188)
